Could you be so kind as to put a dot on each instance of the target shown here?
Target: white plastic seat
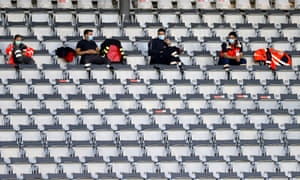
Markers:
(8, 102)
(201, 30)
(191, 44)
(193, 72)
(149, 102)
(282, 4)
(53, 102)
(220, 101)
(71, 165)
(183, 87)
(120, 165)
(139, 117)
(274, 148)
(267, 102)
(46, 165)
(42, 117)
(267, 31)
(6, 4)
(227, 148)
(247, 132)
(255, 17)
(166, 4)
(96, 165)
(131, 149)
(83, 4)
(210, 117)
(76, 72)
(233, 17)
(290, 101)
(277, 18)
(115, 117)
(234, 117)
(168, 165)
(127, 133)
(43, 4)
(262, 4)
(144, 165)
(124, 72)
(173, 102)
(18, 117)
(211, 17)
(289, 31)
(89, 88)
(110, 16)
(155, 149)
(223, 132)
(66, 117)
(166, 16)
(160, 87)
(200, 133)
(29, 72)
(17, 86)
(216, 164)
(83, 149)
(163, 117)
(221, 4)
(113, 87)
(265, 164)
(52, 42)
(66, 4)
(250, 148)
(20, 166)
(203, 4)
(258, 117)
(240, 164)
(253, 87)
(66, 87)
(34, 150)
(104, 4)
(282, 44)
(242, 4)
(203, 149)
(188, 16)
(230, 87)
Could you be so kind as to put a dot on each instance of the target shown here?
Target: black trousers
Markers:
(94, 59)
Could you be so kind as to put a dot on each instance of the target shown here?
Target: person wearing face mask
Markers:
(232, 52)
(161, 51)
(19, 53)
(89, 51)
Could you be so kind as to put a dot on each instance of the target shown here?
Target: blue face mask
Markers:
(18, 42)
(161, 37)
(231, 41)
(91, 38)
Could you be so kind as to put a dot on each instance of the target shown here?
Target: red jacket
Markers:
(28, 52)
(231, 50)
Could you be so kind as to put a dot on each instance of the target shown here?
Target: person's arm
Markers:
(153, 49)
(225, 54)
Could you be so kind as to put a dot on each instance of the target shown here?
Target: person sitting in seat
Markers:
(232, 52)
(161, 51)
(19, 53)
(89, 51)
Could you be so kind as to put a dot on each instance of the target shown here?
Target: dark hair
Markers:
(161, 30)
(85, 32)
(18, 36)
(233, 34)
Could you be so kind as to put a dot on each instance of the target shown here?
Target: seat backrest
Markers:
(5, 4)
(262, 4)
(144, 4)
(203, 4)
(64, 4)
(164, 4)
(104, 4)
(43, 4)
(297, 4)
(282, 4)
(242, 4)
(84, 4)
(184, 4)
(24, 4)
(223, 4)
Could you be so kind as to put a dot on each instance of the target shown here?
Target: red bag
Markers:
(114, 54)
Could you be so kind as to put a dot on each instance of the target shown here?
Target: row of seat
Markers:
(149, 4)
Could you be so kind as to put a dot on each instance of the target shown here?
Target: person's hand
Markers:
(91, 51)
(168, 41)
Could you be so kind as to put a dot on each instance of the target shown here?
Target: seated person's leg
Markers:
(223, 61)
(28, 60)
(243, 61)
(97, 60)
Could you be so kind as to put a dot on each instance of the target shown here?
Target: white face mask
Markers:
(161, 37)
(231, 41)
(91, 37)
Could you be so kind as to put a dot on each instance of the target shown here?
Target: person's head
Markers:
(18, 39)
(232, 37)
(88, 34)
(161, 33)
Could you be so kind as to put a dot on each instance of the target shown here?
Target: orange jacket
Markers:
(273, 57)
(28, 52)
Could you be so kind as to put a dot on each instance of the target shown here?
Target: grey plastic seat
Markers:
(240, 164)
(264, 164)
(115, 117)
(81, 149)
(250, 148)
(53, 102)
(274, 148)
(90, 117)
(20, 166)
(206, 87)
(203, 149)
(168, 165)
(282, 43)
(144, 16)
(131, 149)
(209, 117)
(253, 87)
(234, 117)
(258, 117)
(41, 117)
(163, 117)
(113, 87)
(172, 102)
(227, 148)
(201, 30)
(193, 73)
(96, 165)
(34, 150)
(144, 165)
(52, 72)
(46, 165)
(17, 117)
(230, 87)
(210, 17)
(66, 117)
(245, 31)
(267, 101)
(120, 165)
(189, 15)
(222, 30)
(42, 57)
(257, 42)
(191, 44)
(29, 102)
(289, 101)
(8, 102)
(167, 16)
(255, 17)
(216, 164)
(220, 101)
(104, 133)
(268, 31)
(133, 29)
(154, 149)
(54, 133)
(109, 15)
(200, 133)
(276, 87)
(247, 132)
(109, 29)
(16, 86)
(139, 117)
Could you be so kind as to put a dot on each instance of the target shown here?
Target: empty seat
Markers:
(262, 4)
(220, 4)
(131, 149)
(216, 164)
(46, 165)
(17, 117)
(258, 117)
(104, 4)
(267, 31)
(42, 117)
(222, 30)
(255, 17)
(241, 4)
(290, 101)
(53, 42)
(247, 132)
(210, 17)
(203, 4)
(267, 101)
(66, 117)
(34, 150)
(168, 165)
(54, 133)
(212, 44)
(71, 165)
(207, 87)
(127, 133)
(250, 148)
(162, 117)
(264, 164)
(66, 87)
(276, 87)
(193, 73)
(53, 102)
(277, 17)
(20, 166)
(147, 4)
(139, 117)
(200, 133)
(76, 72)
(144, 165)
(96, 165)
(230, 87)
(253, 87)
(120, 165)
(234, 117)
(160, 87)
(220, 101)
(83, 149)
(227, 148)
(115, 117)
(191, 44)
(124, 72)
(113, 87)
(100, 73)
(201, 30)
(155, 149)
(262, 73)
(210, 117)
(43, 4)
(167, 16)
(8, 102)
(286, 74)
(240, 164)
(65, 4)
(293, 85)
(258, 42)
(6, 4)
(188, 16)
(244, 101)
(173, 102)
(282, 44)
(183, 87)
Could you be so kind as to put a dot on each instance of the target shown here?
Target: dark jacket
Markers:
(157, 49)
